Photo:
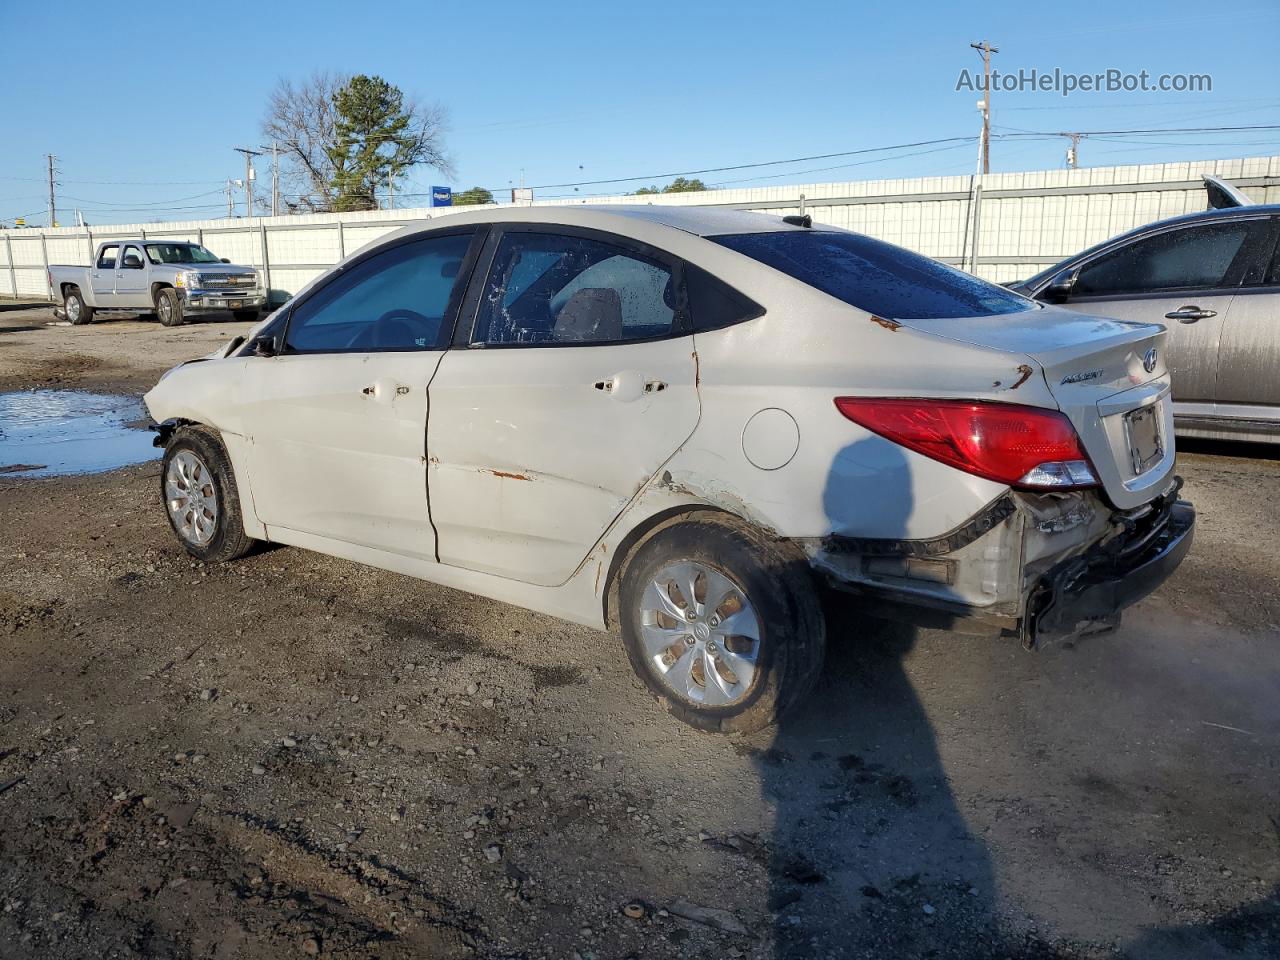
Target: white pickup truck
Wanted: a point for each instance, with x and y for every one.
(173, 279)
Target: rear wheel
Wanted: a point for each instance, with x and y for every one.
(722, 623)
(198, 486)
(169, 307)
(78, 312)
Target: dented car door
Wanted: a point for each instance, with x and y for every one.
(577, 382)
(338, 416)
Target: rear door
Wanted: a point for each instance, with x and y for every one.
(338, 418)
(102, 275)
(575, 384)
(1185, 278)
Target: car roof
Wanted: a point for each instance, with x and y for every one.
(699, 221)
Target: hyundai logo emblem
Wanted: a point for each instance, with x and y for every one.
(1149, 360)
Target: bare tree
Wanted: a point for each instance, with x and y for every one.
(301, 119)
(304, 119)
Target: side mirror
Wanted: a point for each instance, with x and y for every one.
(265, 347)
(1058, 289)
(224, 260)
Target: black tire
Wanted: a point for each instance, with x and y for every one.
(228, 540)
(779, 585)
(75, 309)
(169, 307)
(246, 316)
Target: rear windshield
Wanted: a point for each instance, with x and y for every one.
(875, 276)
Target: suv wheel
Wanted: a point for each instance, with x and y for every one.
(198, 486)
(722, 623)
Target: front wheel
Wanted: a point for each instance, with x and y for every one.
(169, 307)
(722, 623)
(198, 486)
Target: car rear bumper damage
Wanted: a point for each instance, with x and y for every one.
(1096, 586)
(1036, 567)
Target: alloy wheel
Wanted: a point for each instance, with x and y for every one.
(700, 634)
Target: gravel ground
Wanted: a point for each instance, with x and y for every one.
(296, 756)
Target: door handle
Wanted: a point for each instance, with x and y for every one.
(628, 385)
(1190, 314)
(384, 391)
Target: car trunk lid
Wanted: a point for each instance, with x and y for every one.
(1109, 377)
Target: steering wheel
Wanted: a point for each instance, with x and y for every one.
(395, 328)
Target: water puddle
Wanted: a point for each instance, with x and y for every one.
(45, 433)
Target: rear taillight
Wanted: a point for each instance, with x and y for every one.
(1022, 446)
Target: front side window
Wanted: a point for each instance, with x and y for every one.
(107, 258)
(394, 300)
(1189, 258)
(552, 289)
(875, 276)
(132, 259)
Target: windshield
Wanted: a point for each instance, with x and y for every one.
(875, 276)
(179, 253)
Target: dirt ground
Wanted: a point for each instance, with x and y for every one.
(295, 756)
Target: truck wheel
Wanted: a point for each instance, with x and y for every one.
(246, 316)
(169, 307)
(722, 623)
(198, 486)
(73, 305)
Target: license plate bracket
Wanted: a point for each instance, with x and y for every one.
(1142, 430)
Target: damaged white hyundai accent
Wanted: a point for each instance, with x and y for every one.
(680, 423)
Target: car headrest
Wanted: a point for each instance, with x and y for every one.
(591, 314)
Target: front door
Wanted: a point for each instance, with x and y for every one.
(1185, 278)
(577, 383)
(338, 419)
(131, 277)
(102, 276)
(1249, 364)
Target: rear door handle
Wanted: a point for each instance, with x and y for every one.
(628, 385)
(384, 391)
(1190, 314)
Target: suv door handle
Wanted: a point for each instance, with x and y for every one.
(1190, 314)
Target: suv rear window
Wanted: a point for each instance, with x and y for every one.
(875, 276)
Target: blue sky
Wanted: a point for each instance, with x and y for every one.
(145, 110)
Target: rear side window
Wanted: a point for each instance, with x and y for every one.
(714, 304)
(876, 276)
(1198, 257)
(107, 258)
(549, 289)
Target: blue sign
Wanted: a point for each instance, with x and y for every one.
(441, 197)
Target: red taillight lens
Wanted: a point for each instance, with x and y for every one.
(1022, 446)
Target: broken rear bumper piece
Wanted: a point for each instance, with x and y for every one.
(1032, 566)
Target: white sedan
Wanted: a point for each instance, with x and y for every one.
(680, 423)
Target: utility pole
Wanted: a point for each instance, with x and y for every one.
(986, 50)
(1073, 151)
(53, 209)
(275, 179)
(230, 210)
(248, 177)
